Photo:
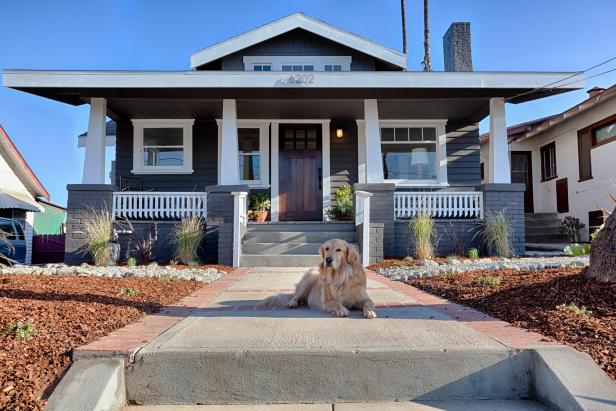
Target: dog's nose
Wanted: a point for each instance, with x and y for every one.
(329, 260)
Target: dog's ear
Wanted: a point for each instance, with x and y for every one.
(322, 264)
(352, 255)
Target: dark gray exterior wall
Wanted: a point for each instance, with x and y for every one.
(205, 159)
(449, 236)
(508, 198)
(343, 155)
(164, 250)
(463, 155)
(297, 43)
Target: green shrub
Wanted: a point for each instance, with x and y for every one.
(473, 253)
(260, 202)
(344, 203)
(489, 281)
(572, 226)
(188, 236)
(577, 249)
(22, 331)
(98, 230)
(129, 292)
(494, 234)
(422, 226)
(131, 262)
(573, 308)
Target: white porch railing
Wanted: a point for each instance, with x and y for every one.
(240, 220)
(362, 216)
(148, 205)
(449, 204)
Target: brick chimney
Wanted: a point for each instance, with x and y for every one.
(595, 91)
(457, 48)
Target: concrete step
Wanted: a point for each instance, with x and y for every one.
(303, 226)
(257, 236)
(304, 356)
(547, 230)
(461, 405)
(276, 260)
(539, 216)
(283, 248)
(547, 238)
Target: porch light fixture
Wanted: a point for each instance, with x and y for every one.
(339, 133)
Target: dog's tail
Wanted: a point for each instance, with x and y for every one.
(275, 301)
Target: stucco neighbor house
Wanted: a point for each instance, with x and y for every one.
(20, 190)
(296, 108)
(565, 160)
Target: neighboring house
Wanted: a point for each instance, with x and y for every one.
(296, 108)
(567, 160)
(20, 189)
(51, 220)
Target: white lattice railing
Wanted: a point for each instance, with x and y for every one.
(439, 204)
(148, 205)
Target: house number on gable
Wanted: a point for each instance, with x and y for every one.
(301, 79)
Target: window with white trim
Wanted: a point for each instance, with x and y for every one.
(162, 146)
(409, 153)
(297, 63)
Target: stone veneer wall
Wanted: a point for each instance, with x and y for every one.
(508, 198)
(376, 241)
(382, 211)
(81, 198)
(464, 231)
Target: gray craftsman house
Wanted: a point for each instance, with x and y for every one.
(296, 108)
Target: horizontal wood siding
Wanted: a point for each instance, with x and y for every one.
(463, 155)
(343, 154)
(297, 43)
(205, 137)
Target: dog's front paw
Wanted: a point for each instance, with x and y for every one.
(369, 314)
(293, 304)
(341, 312)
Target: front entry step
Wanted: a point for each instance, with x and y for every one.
(291, 244)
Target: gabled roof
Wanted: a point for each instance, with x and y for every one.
(110, 134)
(570, 113)
(18, 164)
(292, 22)
(518, 130)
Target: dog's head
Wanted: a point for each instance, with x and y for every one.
(336, 254)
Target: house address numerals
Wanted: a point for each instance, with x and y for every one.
(301, 79)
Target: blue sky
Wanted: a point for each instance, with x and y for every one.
(521, 35)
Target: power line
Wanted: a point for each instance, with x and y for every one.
(588, 78)
(564, 79)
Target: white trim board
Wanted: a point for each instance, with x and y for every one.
(292, 22)
(277, 62)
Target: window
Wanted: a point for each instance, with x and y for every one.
(6, 228)
(595, 220)
(297, 63)
(162, 146)
(250, 154)
(333, 67)
(584, 157)
(409, 153)
(548, 162)
(482, 171)
(262, 67)
(605, 133)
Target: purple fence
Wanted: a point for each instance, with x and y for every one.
(48, 248)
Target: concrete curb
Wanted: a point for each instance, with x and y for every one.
(91, 385)
(567, 379)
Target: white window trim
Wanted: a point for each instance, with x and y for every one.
(187, 137)
(318, 62)
(441, 150)
(264, 127)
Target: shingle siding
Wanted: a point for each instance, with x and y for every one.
(296, 43)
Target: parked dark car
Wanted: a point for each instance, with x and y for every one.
(12, 242)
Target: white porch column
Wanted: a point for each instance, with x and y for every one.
(229, 159)
(374, 159)
(275, 199)
(94, 161)
(499, 169)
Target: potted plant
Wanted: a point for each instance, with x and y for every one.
(260, 205)
(343, 210)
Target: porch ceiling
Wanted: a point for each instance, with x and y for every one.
(455, 110)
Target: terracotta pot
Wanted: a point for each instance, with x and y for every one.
(346, 218)
(262, 216)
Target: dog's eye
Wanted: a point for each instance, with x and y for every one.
(338, 249)
(326, 248)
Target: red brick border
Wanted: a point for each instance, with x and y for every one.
(128, 340)
(501, 331)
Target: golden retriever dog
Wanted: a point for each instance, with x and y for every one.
(336, 286)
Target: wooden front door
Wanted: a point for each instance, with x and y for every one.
(522, 172)
(300, 182)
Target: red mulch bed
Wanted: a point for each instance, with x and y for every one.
(67, 312)
(528, 299)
